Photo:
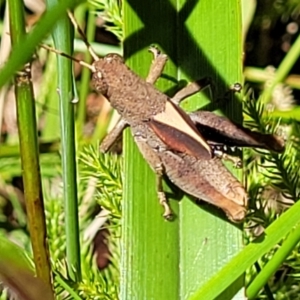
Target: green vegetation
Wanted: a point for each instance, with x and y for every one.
(106, 238)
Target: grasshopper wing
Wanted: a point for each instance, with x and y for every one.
(175, 128)
(221, 131)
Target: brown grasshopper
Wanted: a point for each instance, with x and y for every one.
(175, 144)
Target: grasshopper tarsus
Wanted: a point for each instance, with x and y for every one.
(168, 213)
(169, 217)
(154, 50)
(163, 201)
(236, 87)
(233, 89)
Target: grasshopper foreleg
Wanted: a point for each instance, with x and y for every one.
(110, 138)
(157, 65)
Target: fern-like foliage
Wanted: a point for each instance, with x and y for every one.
(273, 183)
(111, 13)
(281, 171)
(107, 172)
(103, 173)
(95, 284)
(100, 188)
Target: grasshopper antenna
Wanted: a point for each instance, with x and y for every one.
(89, 47)
(84, 64)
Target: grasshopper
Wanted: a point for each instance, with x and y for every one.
(187, 148)
(183, 147)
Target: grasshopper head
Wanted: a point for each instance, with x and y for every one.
(104, 69)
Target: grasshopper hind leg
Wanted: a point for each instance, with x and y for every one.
(191, 89)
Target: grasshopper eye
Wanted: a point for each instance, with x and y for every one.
(99, 75)
(99, 83)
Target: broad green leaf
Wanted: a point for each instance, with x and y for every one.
(171, 260)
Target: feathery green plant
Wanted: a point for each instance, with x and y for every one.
(106, 169)
(273, 182)
(111, 13)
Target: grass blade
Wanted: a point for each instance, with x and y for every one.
(150, 255)
(23, 50)
(27, 127)
(248, 256)
(200, 240)
(63, 38)
(210, 44)
(273, 264)
(286, 65)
